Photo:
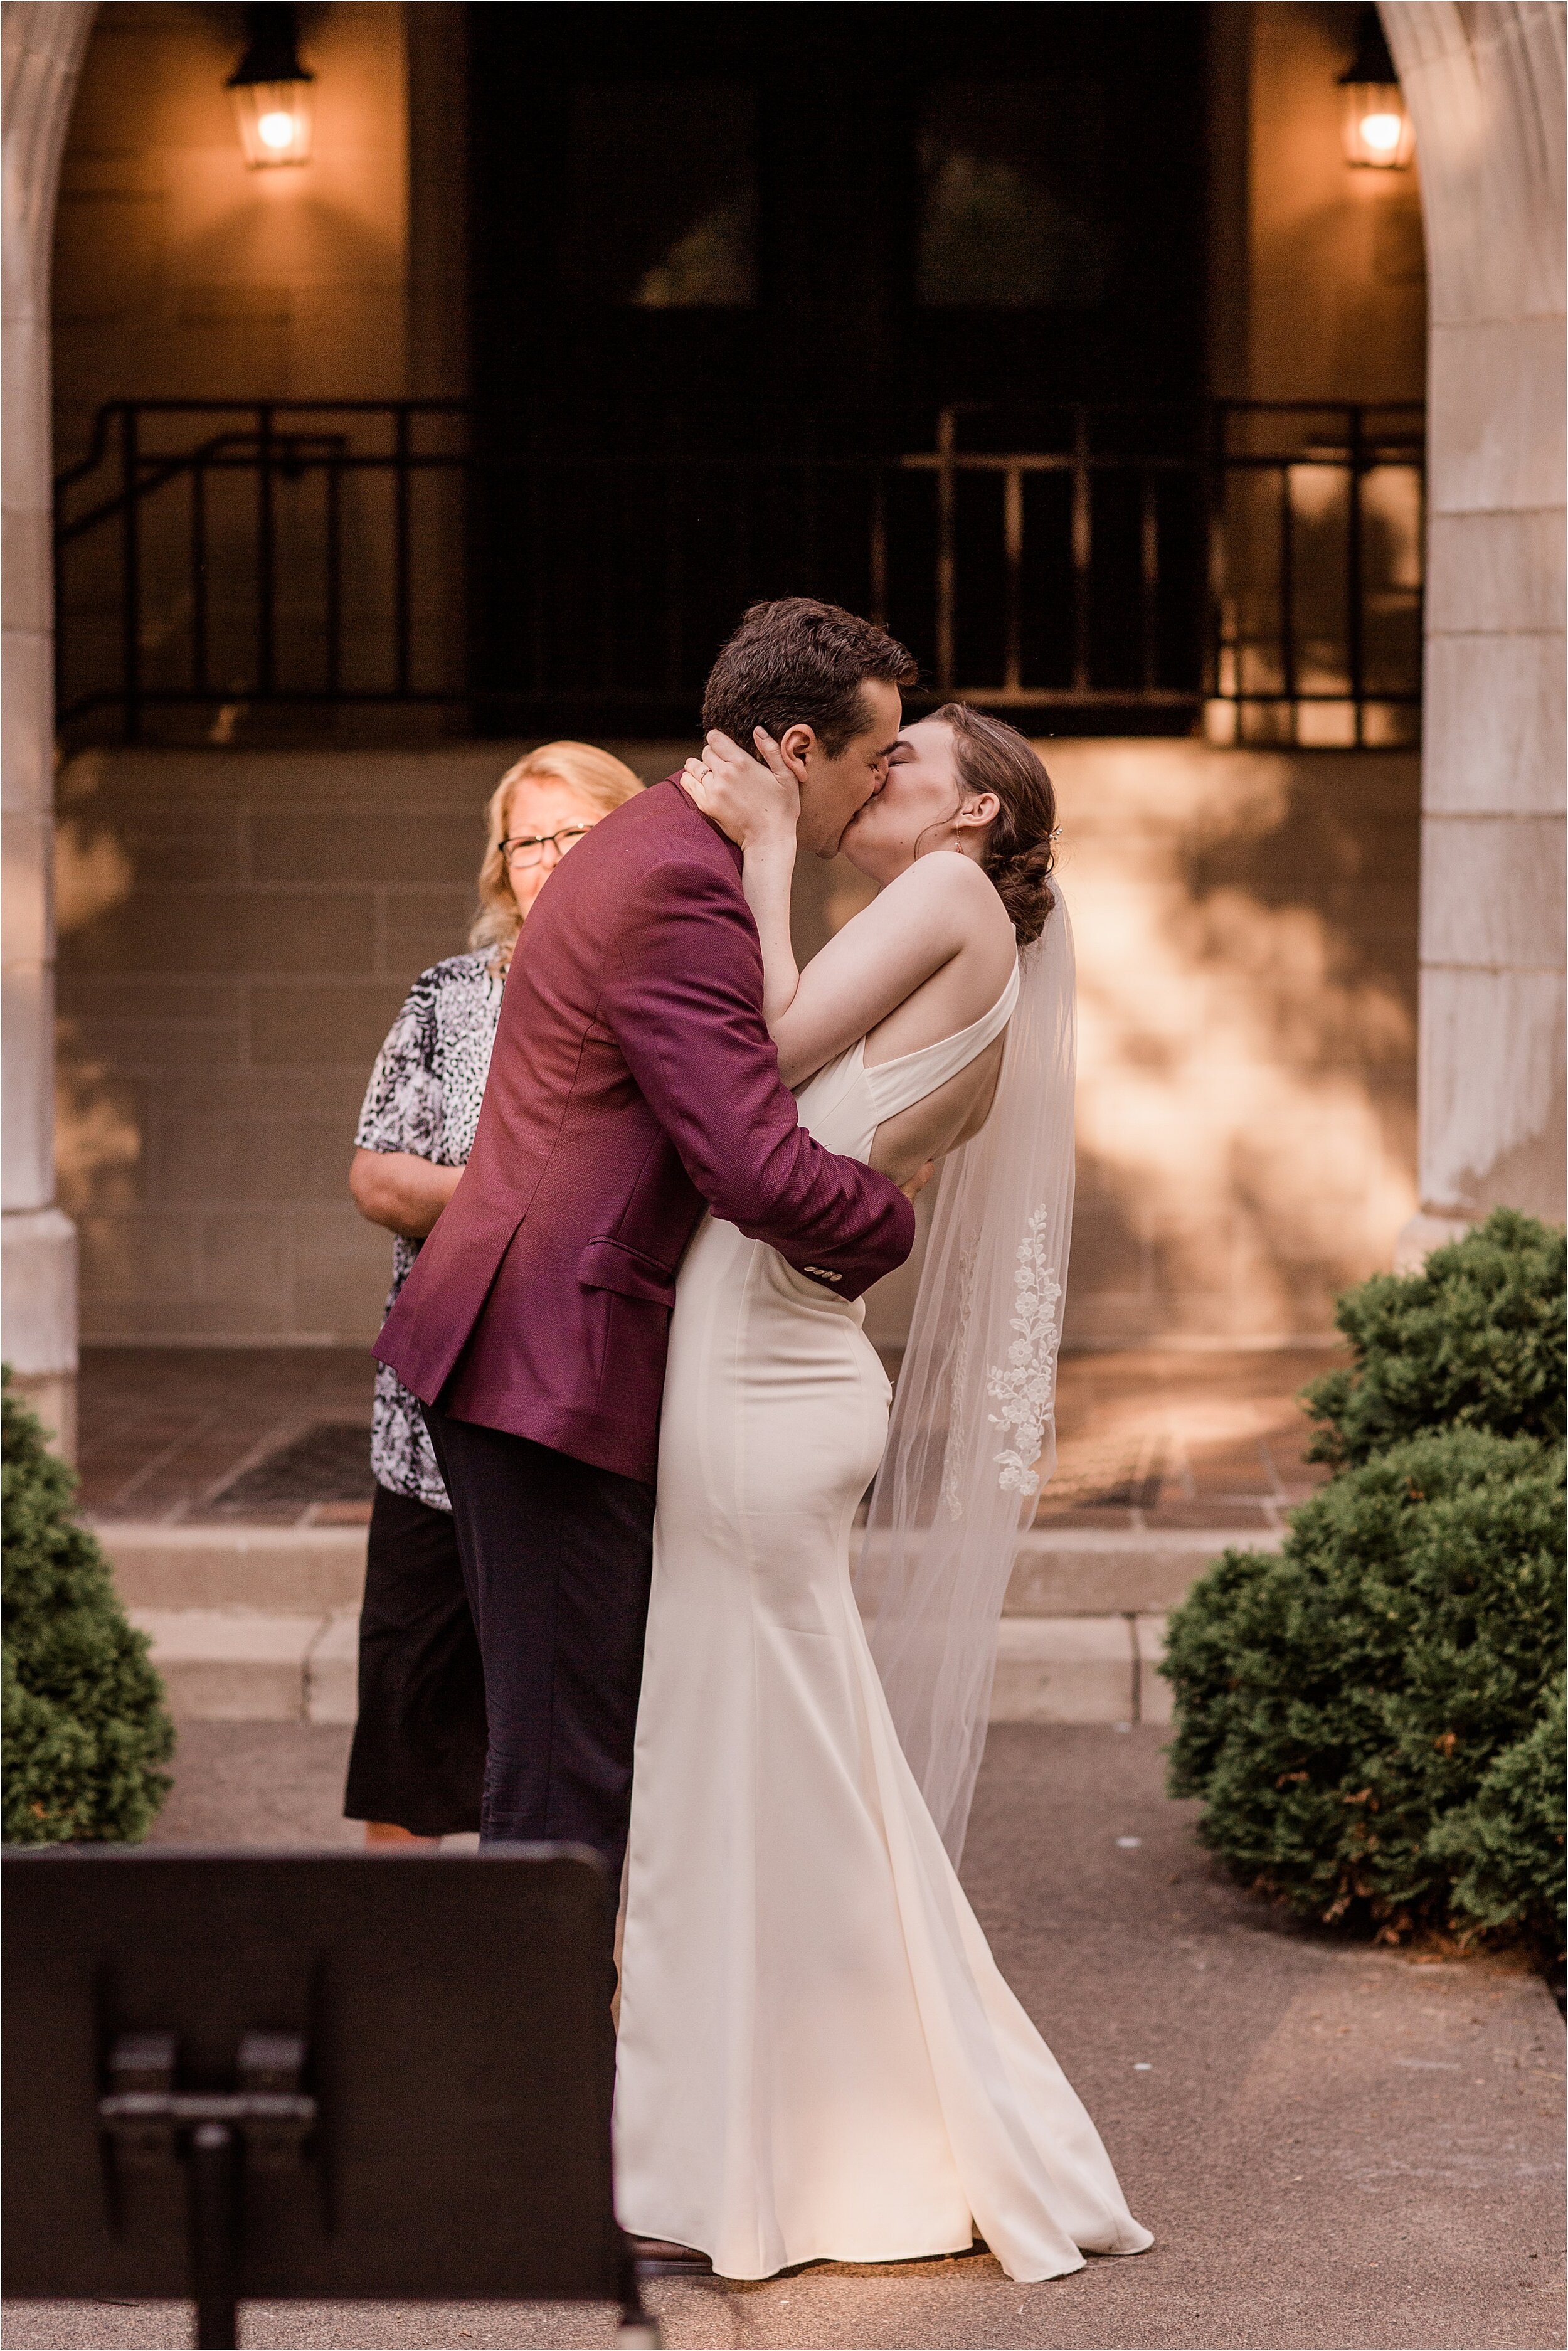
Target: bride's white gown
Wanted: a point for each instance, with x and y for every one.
(818, 2057)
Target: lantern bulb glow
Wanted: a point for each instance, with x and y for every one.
(277, 130)
(1381, 132)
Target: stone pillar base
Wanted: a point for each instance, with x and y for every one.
(53, 1397)
(39, 1340)
(1423, 1234)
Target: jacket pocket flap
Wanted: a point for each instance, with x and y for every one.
(611, 1265)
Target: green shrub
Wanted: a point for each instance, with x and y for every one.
(85, 1730)
(1475, 1340)
(1506, 1847)
(1339, 1701)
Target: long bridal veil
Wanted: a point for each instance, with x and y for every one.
(973, 1436)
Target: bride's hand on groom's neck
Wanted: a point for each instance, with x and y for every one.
(756, 801)
(918, 1181)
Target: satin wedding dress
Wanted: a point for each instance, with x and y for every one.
(818, 2057)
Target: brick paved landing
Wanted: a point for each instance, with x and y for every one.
(1148, 1438)
(1154, 1437)
(163, 1433)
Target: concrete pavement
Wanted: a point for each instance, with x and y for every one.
(1336, 2147)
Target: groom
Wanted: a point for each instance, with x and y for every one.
(633, 1085)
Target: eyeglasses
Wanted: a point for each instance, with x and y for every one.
(528, 849)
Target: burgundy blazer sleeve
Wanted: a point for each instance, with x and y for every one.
(684, 997)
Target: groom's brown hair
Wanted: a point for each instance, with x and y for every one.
(797, 662)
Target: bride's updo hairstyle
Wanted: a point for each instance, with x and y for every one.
(1019, 854)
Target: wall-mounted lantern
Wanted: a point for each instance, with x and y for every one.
(271, 91)
(1379, 135)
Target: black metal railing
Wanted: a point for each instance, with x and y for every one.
(1258, 562)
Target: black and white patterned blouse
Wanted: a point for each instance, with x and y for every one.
(424, 1096)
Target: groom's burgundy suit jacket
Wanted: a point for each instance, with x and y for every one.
(634, 1083)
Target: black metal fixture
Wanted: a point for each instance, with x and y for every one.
(1378, 133)
(271, 91)
(174, 498)
(264, 2124)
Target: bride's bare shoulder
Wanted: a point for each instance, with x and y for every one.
(951, 884)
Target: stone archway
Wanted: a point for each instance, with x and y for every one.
(1485, 87)
(43, 41)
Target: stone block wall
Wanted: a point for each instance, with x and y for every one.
(1246, 924)
(178, 270)
(238, 928)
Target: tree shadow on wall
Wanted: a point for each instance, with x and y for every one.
(1247, 946)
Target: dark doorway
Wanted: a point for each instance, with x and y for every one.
(732, 265)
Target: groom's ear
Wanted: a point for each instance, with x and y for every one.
(796, 743)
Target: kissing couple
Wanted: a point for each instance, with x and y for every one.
(636, 1333)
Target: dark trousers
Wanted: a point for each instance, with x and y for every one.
(418, 1756)
(557, 1556)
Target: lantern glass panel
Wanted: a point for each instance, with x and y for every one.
(1379, 135)
(274, 119)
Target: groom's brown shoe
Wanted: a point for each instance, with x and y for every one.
(663, 2255)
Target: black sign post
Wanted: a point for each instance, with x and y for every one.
(243, 2075)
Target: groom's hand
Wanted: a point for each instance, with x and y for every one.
(918, 1181)
(755, 801)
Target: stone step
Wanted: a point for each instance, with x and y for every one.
(257, 1665)
(310, 1571)
(1092, 1571)
(307, 1571)
(1080, 1669)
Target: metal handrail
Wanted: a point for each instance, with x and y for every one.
(1180, 488)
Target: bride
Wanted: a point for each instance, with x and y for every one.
(818, 2058)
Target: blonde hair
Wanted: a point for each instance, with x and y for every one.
(603, 780)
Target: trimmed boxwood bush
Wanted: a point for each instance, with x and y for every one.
(1506, 1848)
(85, 1729)
(1374, 1718)
(1339, 1702)
(1475, 1340)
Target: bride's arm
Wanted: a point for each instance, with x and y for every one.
(767, 871)
(758, 803)
(911, 930)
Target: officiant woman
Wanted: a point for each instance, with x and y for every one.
(418, 1758)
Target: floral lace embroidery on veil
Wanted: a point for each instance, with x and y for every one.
(1025, 1385)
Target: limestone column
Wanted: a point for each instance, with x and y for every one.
(43, 46)
(1485, 87)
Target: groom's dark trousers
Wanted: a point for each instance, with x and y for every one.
(632, 1084)
(557, 1556)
